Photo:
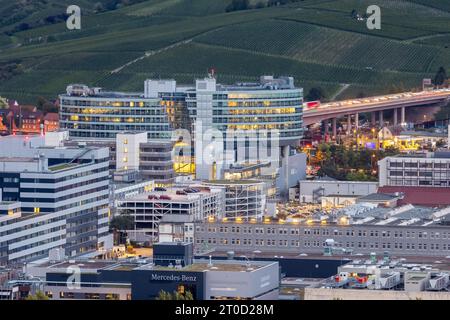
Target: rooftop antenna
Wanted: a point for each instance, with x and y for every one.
(212, 72)
(210, 264)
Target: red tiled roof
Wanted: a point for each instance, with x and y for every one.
(51, 116)
(22, 108)
(422, 196)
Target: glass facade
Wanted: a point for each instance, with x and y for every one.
(256, 110)
(99, 117)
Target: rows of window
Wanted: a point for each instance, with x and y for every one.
(412, 234)
(321, 244)
(419, 165)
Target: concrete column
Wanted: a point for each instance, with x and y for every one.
(325, 123)
(381, 118)
(349, 124)
(395, 117)
(403, 115)
(374, 119)
(334, 126)
(285, 167)
(356, 121)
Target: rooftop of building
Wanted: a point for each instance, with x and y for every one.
(420, 196)
(406, 215)
(17, 159)
(379, 197)
(242, 167)
(82, 264)
(172, 194)
(265, 83)
(350, 196)
(233, 182)
(198, 265)
(203, 265)
(62, 166)
(409, 261)
(424, 155)
(110, 94)
(359, 214)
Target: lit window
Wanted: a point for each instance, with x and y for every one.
(37, 210)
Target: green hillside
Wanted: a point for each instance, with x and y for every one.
(124, 42)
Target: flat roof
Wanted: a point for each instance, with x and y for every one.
(62, 166)
(17, 159)
(379, 197)
(217, 266)
(435, 262)
(172, 193)
(83, 264)
(232, 182)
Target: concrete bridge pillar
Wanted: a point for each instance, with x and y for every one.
(356, 121)
(403, 115)
(395, 117)
(381, 120)
(349, 124)
(374, 119)
(334, 126)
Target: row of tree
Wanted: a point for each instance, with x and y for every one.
(343, 163)
(164, 295)
(237, 5)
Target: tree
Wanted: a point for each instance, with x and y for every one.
(314, 94)
(122, 222)
(38, 296)
(164, 295)
(440, 77)
(260, 5)
(98, 7)
(46, 106)
(237, 5)
(188, 296)
(3, 103)
(443, 113)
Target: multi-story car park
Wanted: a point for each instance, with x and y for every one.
(93, 114)
(63, 195)
(172, 212)
(244, 198)
(422, 170)
(362, 229)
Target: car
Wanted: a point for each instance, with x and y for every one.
(181, 193)
(152, 197)
(160, 189)
(164, 197)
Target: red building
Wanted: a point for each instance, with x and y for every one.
(31, 122)
(51, 122)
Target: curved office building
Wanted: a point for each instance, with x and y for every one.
(271, 104)
(93, 114)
